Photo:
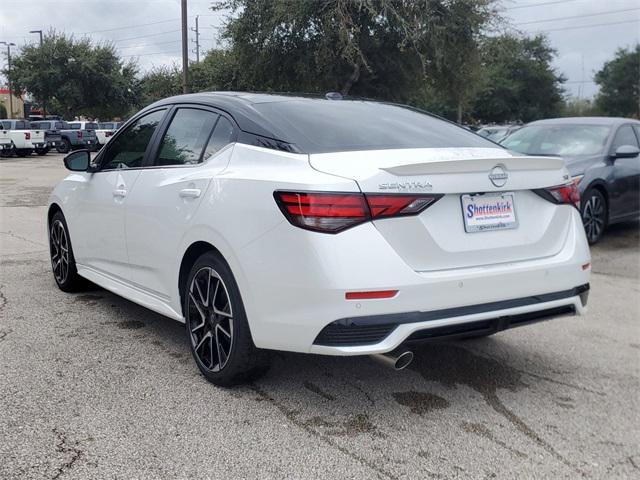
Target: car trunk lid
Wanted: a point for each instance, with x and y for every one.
(439, 238)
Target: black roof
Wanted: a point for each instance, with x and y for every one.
(240, 106)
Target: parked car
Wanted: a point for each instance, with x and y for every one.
(25, 140)
(602, 155)
(52, 134)
(104, 132)
(86, 131)
(496, 133)
(71, 138)
(6, 145)
(288, 223)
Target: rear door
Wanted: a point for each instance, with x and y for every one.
(444, 235)
(96, 216)
(169, 191)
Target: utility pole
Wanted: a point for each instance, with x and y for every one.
(9, 45)
(44, 107)
(185, 49)
(197, 40)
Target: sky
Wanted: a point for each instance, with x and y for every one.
(585, 33)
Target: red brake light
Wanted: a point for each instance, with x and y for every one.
(27, 135)
(108, 134)
(566, 194)
(79, 134)
(335, 212)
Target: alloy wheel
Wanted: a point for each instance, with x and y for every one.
(593, 217)
(59, 251)
(210, 319)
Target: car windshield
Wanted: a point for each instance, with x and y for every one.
(563, 140)
(317, 126)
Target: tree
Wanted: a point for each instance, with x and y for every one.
(619, 82)
(75, 77)
(390, 49)
(3, 111)
(518, 82)
(160, 83)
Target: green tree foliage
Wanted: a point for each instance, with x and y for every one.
(390, 49)
(517, 81)
(75, 77)
(159, 83)
(619, 82)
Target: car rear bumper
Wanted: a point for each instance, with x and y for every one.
(294, 283)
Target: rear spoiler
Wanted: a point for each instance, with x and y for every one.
(471, 165)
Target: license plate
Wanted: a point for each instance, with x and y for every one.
(488, 211)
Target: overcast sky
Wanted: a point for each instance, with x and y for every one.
(586, 33)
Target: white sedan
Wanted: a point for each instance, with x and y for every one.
(316, 225)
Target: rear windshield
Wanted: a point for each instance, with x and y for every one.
(90, 126)
(74, 126)
(20, 125)
(62, 126)
(317, 126)
(107, 126)
(559, 139)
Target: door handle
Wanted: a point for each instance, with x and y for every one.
(190, 193)
(120, 192)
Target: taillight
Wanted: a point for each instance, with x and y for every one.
(108, 134)
(27, 135)
(79, 134)
(335, 212)
(562, 194)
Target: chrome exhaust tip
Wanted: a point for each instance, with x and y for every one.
(398, 359)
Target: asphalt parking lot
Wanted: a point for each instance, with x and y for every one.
(94, 386)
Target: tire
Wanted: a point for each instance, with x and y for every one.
(64, 146)
(42, 151)
(595, 214)
(23, 152)
(217, 329)
(67, 280)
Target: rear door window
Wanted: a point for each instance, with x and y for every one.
(186, 137)
(22, 125)
(222, 136)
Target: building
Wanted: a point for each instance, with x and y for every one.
(18, 104)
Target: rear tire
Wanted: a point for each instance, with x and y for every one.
(63, 263)
(64, 146)
(216, 325)
(42, 151)
(595, 214)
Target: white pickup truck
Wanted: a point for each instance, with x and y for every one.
(105, 131)
(25, 140)
(6, 145)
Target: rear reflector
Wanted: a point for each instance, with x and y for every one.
(335, 212)
(370, 295)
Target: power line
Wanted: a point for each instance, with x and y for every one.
(129, 26)
(588, 26)
(145, 36)
(149, 44)
(154, 53)
(579, 16)
(538, 4)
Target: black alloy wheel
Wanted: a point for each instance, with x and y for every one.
(594, 215)
(216, 324)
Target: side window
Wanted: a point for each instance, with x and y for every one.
(22, 126)
(127, 151)
(637, 129)
(624, 136)
(222, 135)
(186, 137)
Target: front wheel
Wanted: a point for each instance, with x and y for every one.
(594, 214)
(63, 262)
(42, 151)
(216, 325)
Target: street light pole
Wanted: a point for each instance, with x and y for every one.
(9, 45)
(39, 32)
(185, 49)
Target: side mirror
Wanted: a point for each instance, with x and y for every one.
(78, 161)
(626, 151)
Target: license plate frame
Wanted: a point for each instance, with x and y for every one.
(495, 219)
